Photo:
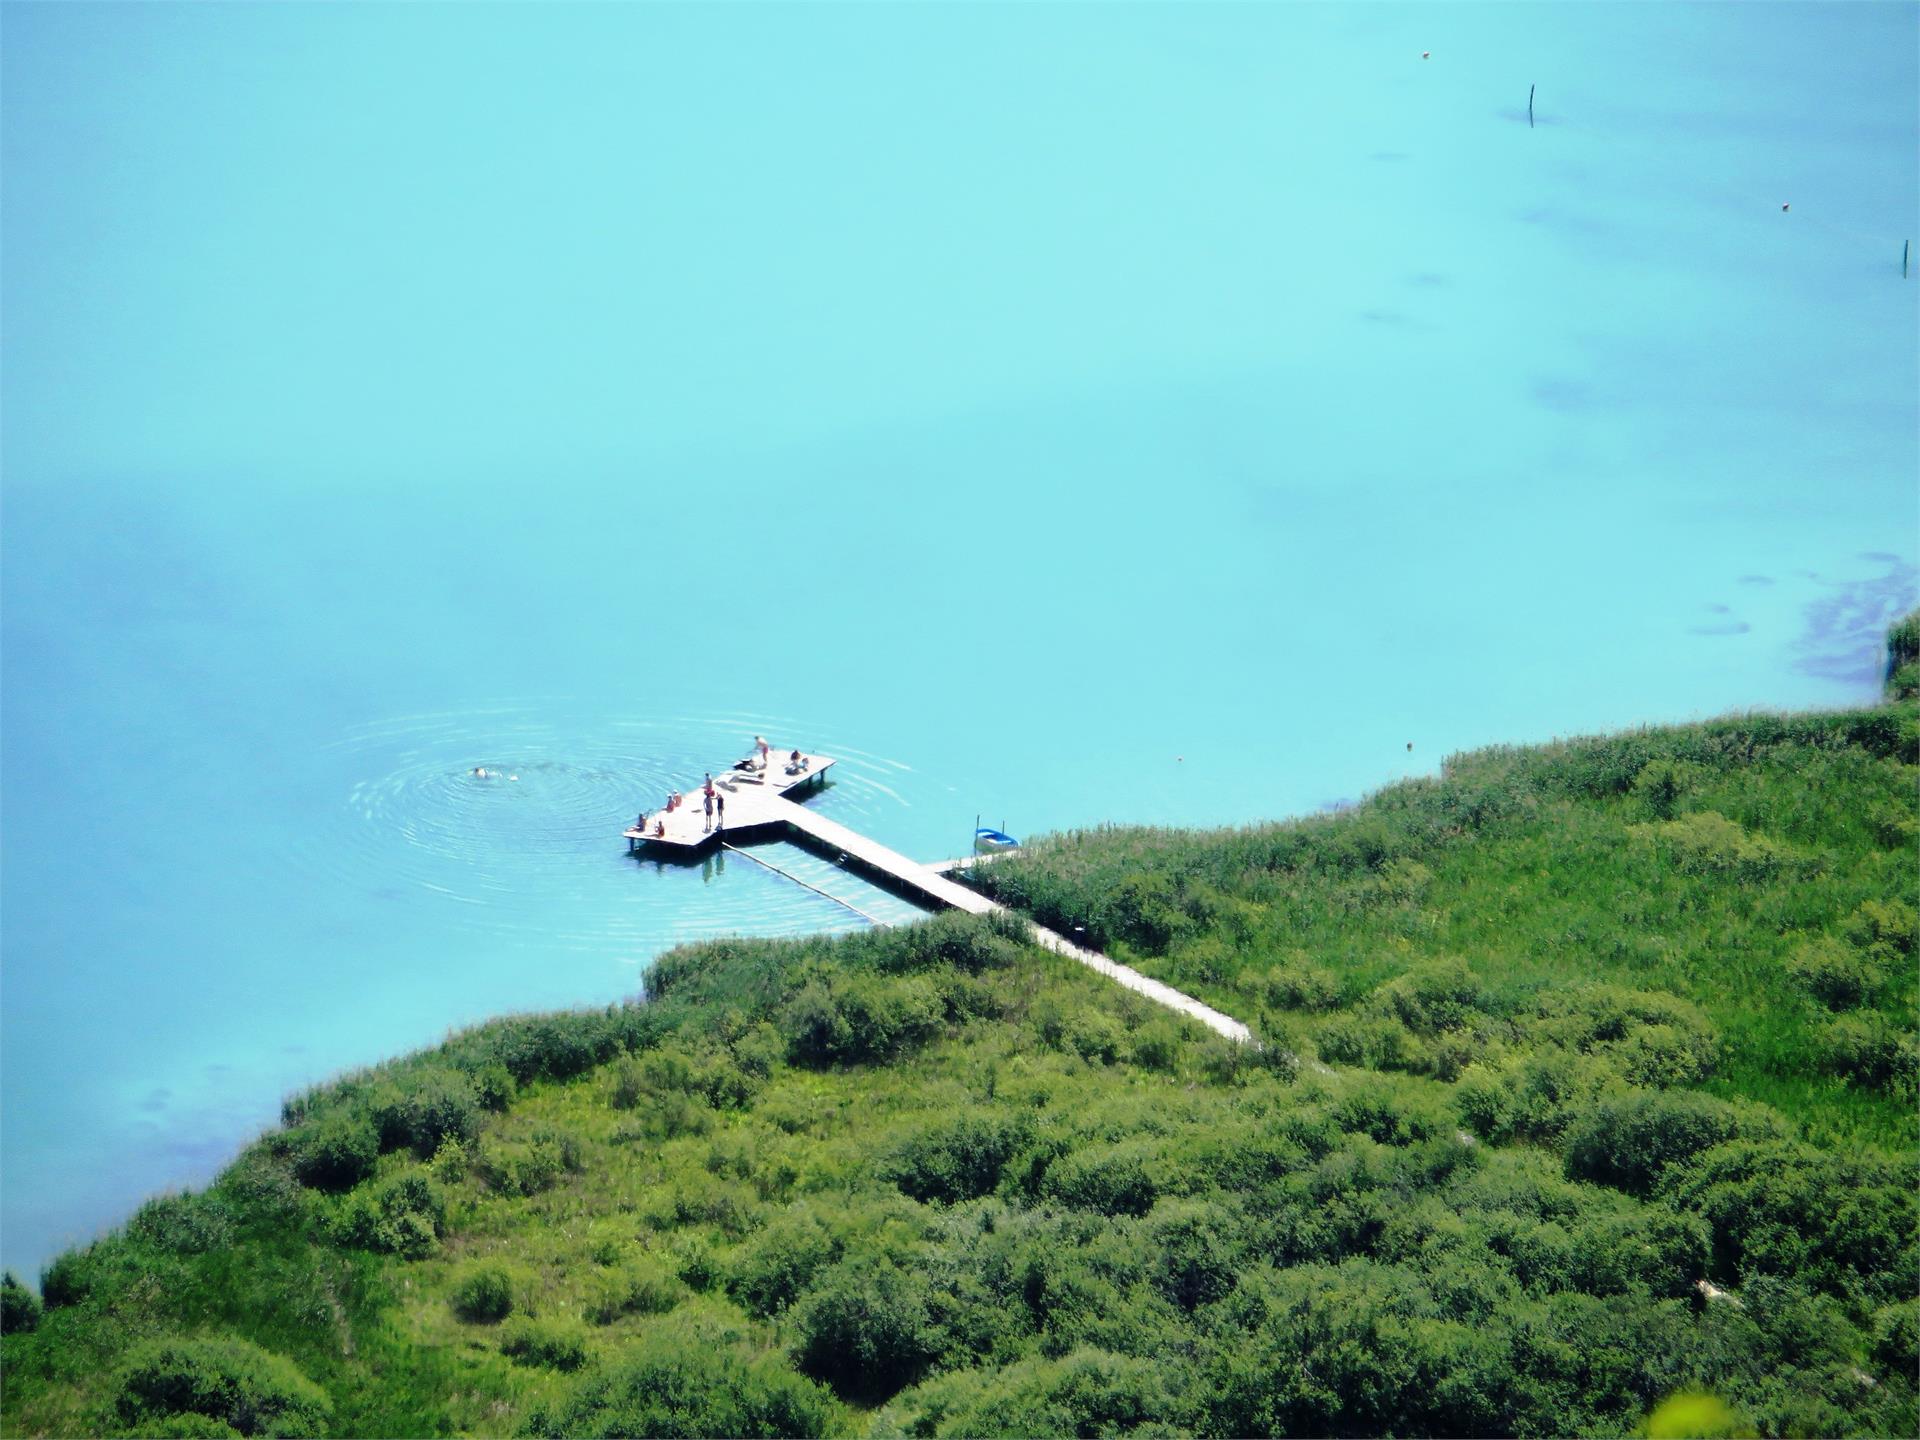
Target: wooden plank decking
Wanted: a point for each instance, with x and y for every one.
(758, 803)
(748, 795)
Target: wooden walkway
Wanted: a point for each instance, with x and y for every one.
(759, 804)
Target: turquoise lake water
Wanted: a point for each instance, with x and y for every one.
(1062, 413)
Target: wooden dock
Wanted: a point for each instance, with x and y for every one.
(762, 804)
(747, 796)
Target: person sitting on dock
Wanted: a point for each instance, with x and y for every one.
(659, 828)
(795, 763)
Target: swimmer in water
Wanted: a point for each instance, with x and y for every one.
(480, 773)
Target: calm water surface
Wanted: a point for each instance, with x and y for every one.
(1063, 413)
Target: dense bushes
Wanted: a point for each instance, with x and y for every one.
(678, 1387)
(551, 1344)
(861, 1019)
(866, 1329)
(1628, 1141)
(960, 1159)
(403, 1215)
(424, 1109)
(483, 1295)
(336, 1151)
(227, 1381)
(19, 1307)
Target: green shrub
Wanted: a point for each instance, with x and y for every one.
(1659, 786)
(1896, 1338)
(638, 1287)
(1144, 910)
(483, 1295)
(189, 1425)
(183, 1224)
(1298, 985)
(861, 1019)
(1886, 929)
(532, 1166)
(422, 1107)
(404, 1215)
(1158, 1044)
(1627, 1140)
(1534, 1098)
(335, 1151)
(1374, 1042)
(551, 1344)
(865, 1329)
(959, 1159)
(1708, 843)
(1874, 1051)
(1837, 975)
(1432, 998)
(1197, 1252)
(772, 1269)
(493, 1086)
(1095, 1036)
(68, 1279)
(1086, 1392)
(677, 1388)
(1109, 1179)
(20, 1308)
(230, 1381)
(1386, 1111)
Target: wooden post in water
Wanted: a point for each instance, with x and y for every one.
(1905, 245)
(1530, 90)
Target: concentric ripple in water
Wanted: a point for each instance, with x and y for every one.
(510, 820)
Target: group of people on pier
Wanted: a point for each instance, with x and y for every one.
(713, 800)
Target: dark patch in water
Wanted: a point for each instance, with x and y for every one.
(1566, 396)
(1725, 627)
(1429, 280)
(1843, 634)
(1396, 319)
(1720, 609)
(1756, 580)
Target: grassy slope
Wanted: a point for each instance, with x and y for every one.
(1575, 1069)
(1540, 869)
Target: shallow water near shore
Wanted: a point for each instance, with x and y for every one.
(1060, 414)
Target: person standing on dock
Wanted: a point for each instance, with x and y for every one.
(760, 744)
(720, 802)
(709, 809)
(709, 786)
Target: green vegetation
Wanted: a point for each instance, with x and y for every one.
(1586, 1104)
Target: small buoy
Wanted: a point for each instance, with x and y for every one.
(1426, 54)
(1409, 746)
(1179, 759)
(1786, 207)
